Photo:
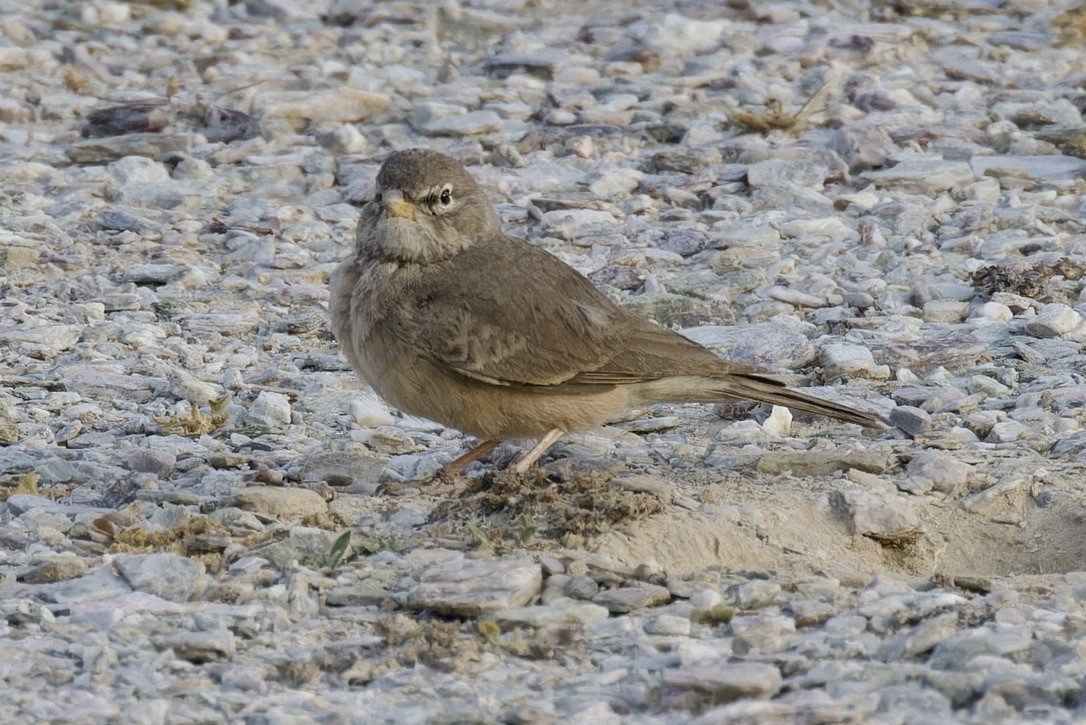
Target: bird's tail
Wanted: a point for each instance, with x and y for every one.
(763, 389)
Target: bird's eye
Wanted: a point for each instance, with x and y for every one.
(376, 197)
(446, 197)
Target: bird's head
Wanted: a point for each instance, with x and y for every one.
(426, 208)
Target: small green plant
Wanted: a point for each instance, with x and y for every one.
(490, 542)
(339, 548)
(525, 528)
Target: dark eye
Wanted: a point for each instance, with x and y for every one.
(446, 197)
(377, 197)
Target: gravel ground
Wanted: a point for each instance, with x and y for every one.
(205, 517)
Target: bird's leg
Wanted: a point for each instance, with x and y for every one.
(525, 462)
(453, 468)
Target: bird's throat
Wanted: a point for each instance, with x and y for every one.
(411, 242)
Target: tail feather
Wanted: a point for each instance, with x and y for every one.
(767, 390)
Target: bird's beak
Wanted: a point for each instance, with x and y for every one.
(396, 206)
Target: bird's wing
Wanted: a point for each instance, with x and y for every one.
(651, 352)
(530, 321)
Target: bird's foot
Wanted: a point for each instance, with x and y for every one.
(447, 481)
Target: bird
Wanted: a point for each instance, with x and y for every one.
(449, 318)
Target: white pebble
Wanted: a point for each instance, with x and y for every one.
(369, 413)
(1006, 432)
(992, 312)
(1056, 320)
(668, 625)
(779, 422)
(137, 170)
(270, 410)
(846, 359)
(618, 182)
(706, 599)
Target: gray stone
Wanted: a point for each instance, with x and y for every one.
(851, 361)
(912, 420)
(923, 175)
(756, 594)
(44, 569)
(545, 617)
(201, 647)
(865, 146)
(152, 460)
(765, 344)
(364, 594)
(581, 586)
(281, 501)
(821, 463)
(668, 625)
(958, 650)
(172, 577)
(472, 123)
(99, 585)
(1047, 166)
(762, 633)
(466, 588)
(1057, 320)
(878, 516)
(919, 640)
(627, 599)
(269, 410)
(573, 223)
(726, 681)
(45, 341)
(338, 105)
(113, 148)
(1007, 497)
(945, 472)
(1007, 431)
(303, 545)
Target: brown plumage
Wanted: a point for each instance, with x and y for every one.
(450, 319)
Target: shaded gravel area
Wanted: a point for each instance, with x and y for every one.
(204, 516)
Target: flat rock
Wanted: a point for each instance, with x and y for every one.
(573, 223)
(914, 421)
(1057, 320)
(627, 599)
(172, 577)
(281, 501)
(762, 632)
(726, 681)
(549, 616)
(45, 341)
(341, 105)
(851, 361)
(881, 517)
(765, 344)
(468, 587)
(44, 569)
(472, 123)
(923, 175)
(668, 625)
(303, 544)
(269, 410)
(1047, 166)
(201, 647)
(945, 472)
(820, 463)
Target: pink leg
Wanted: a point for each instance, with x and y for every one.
(454, 467)
(528, 459)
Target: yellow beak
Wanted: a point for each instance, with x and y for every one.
(396, 206)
